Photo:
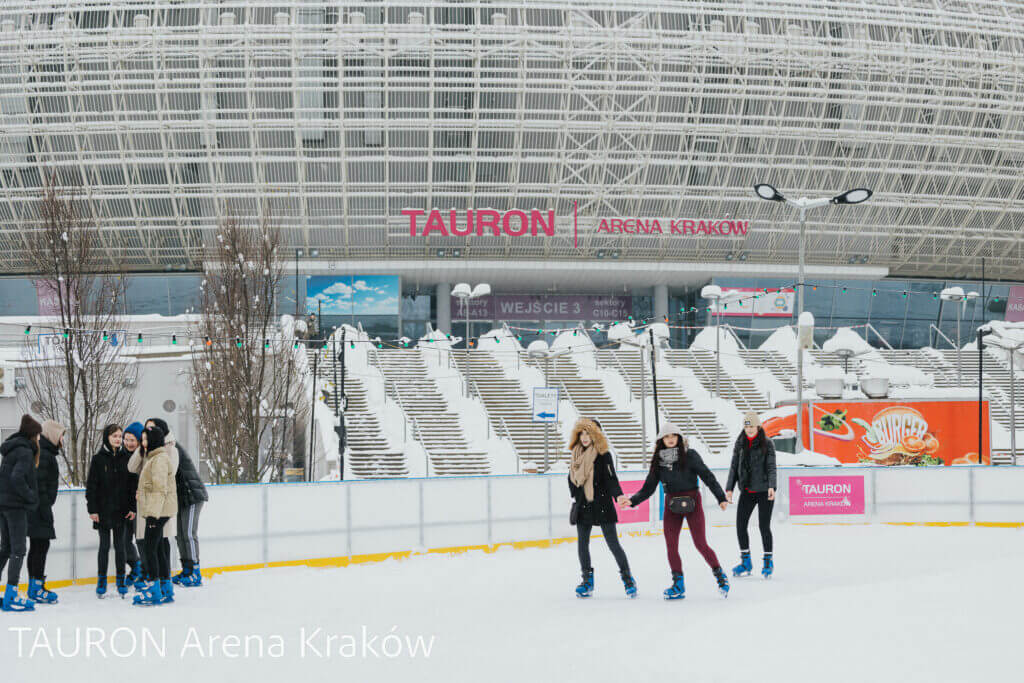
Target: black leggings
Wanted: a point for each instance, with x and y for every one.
(764, 518)
(612, 538)
(37, 551)
(157, 561)
(13, 527)
(118, 532)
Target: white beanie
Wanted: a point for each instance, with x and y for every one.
(669, 428)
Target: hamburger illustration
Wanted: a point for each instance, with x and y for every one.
(899, 435)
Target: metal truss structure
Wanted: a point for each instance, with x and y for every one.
(332, 117)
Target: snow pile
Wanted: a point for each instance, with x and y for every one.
(783, 341)
(845, 339)
(705, 339)
(499, 340)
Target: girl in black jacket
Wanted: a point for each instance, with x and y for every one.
(677, 467)
(753, 468)
(110, 501)
(18, 495)
(595, 490)
(41, 529)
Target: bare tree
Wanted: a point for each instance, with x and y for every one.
(244, 374)
(76, 370)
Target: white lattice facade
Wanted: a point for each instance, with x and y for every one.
(335, 116)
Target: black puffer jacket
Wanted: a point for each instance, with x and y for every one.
(40, 520)
(18, 474)
(190, 486)
(753, 464)
(677, 474)
(110, 487)
(601, 510)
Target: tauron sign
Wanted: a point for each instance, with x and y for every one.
(534, 223)
(481, 222)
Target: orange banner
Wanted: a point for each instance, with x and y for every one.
(909, 432)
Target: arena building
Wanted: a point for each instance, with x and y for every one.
(591, 161)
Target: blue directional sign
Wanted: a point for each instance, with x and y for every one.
(545, 404)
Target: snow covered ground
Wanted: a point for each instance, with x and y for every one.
(848, 603)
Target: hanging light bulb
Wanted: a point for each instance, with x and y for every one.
(28, 328)
(106, 337)
(174, 339)
(140, 338)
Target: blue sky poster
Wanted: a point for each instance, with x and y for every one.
(354, 294)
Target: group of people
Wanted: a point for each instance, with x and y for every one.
(597, 494)
(138, 483)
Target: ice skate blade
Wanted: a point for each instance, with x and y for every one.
(674, 597)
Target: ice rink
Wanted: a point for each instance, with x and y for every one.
(848, 603)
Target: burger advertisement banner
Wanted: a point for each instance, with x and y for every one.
(898, 432)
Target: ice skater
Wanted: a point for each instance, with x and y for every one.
(595, 490)
(18, 495)
(677, 466)
(41, 529)
(753, 468)
(191, 497)
(110, 503)
(157, 503)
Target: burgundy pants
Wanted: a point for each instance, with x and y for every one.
(694, 520)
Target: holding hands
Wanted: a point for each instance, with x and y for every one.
(724, 505)
(728, 496)
(624, 502)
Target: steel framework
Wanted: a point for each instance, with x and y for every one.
(334, 116)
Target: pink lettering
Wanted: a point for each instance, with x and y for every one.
(603, 226)
(487, 218)
(436, 223)
(413, 214)
(524, 225)
(537, 220)
(462, 232)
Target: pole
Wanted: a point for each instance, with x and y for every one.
(643, 403)
(296, 284)
(1013, 413)
(319, 320)
(547, 370)
(654, 383)
(312, 417)
(334, 368)
(718, 347)
(469, 372)
(343, 396)
(981, 379)
(959, 365)
(799, 347)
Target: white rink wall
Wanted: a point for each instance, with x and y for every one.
(251, 525)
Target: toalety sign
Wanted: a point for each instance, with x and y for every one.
(538, 223)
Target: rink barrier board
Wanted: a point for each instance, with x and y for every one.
(254, 526)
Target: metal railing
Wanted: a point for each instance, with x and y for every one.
(868, 327)
(932, 327)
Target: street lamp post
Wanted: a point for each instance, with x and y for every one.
(463, 292)
(957, 296)
(714, 293)
(803, 205)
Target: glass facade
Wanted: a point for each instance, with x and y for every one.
(902, 311)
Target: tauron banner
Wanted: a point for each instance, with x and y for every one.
(826, 495)
(910, 432)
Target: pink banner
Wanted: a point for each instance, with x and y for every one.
(826, 495)
(1015, 305)
(642, 512)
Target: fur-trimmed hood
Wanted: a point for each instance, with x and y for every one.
(598, 438)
